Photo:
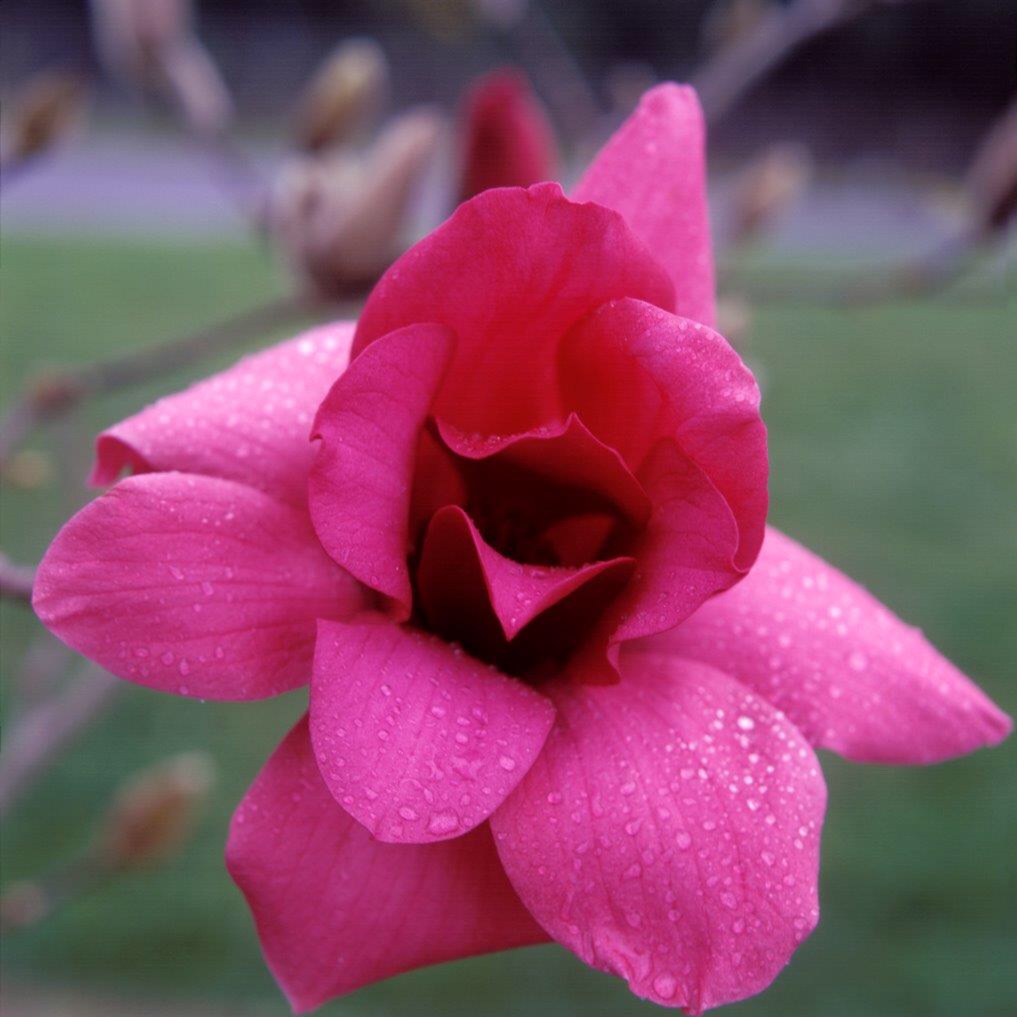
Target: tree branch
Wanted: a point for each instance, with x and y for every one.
(53, 395)
(38, 737)
(15, 580)
(737, 67)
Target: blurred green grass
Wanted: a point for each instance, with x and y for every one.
(893, 454)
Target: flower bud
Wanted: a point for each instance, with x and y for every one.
(506, 137)
(151, 44)
(43, 113)
(343, 97)
(342, 218)
(154, 812)
(729, 21)
(767, 188)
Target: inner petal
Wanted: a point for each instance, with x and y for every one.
(513, 614)
(549, 496)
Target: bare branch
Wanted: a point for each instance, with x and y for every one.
(53, 395)
(776, 35)
(38, 737)
(15, 580)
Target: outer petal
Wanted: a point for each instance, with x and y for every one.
(336, 909)
(367, 429)
(249, 423)
(635, 373)
(852, 676)
(653, 171)
(509, 273)
(508, 141)
(193, 585)
(669, 833)
(418, 741)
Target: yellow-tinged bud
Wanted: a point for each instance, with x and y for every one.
(768, 187)
(154, 812)
(42, 114)
(343, 97)
(342, 218)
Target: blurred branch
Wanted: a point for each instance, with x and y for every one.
(52, 395)
(774, 36)
(15, 580)
(38, 737)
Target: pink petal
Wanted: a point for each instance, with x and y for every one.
(508, 141)
(509, 273)
(249, 423)
(684, 554)
(852, 676)
(567, 454)
(336, 909)
(653, 171)
(367, 431)
(418, 741)
(634, 373)
(457, 564)
(669, 832)
(193, 585)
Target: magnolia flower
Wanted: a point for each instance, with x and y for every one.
(507, 140)
(564, 683)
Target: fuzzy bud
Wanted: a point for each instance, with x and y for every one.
(42, 114)
(343, 97)
(154, 813)
(768, 188)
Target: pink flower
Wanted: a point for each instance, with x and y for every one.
(534, 710)
(507, 140)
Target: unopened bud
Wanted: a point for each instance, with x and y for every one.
(42, 114)
(152, 44)
(507, 139)
(343, 97)
(342, 218)
(767, 188)
(154, 813)
(131, 35)
(28, 469)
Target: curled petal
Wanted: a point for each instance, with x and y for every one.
(635, 374)
(653, 171)
(336, 909)
(509, 273)
(669, 832)
(418, 741)
(193, 585)
(567, 455)
(367, 431)
(852, 676)
(249, 423)
(458, 567)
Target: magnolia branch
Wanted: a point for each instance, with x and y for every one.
(54, 394)
(739, 66)
(15, 580)
(38, 737)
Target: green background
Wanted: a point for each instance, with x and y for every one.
(893, 454)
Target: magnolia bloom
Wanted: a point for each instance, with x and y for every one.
(564, 683)
(507, 140)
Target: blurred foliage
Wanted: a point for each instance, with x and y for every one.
(892, 454)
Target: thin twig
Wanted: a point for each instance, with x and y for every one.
(38, 737)
(55, 394)
(15, 580)
(737, 67)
